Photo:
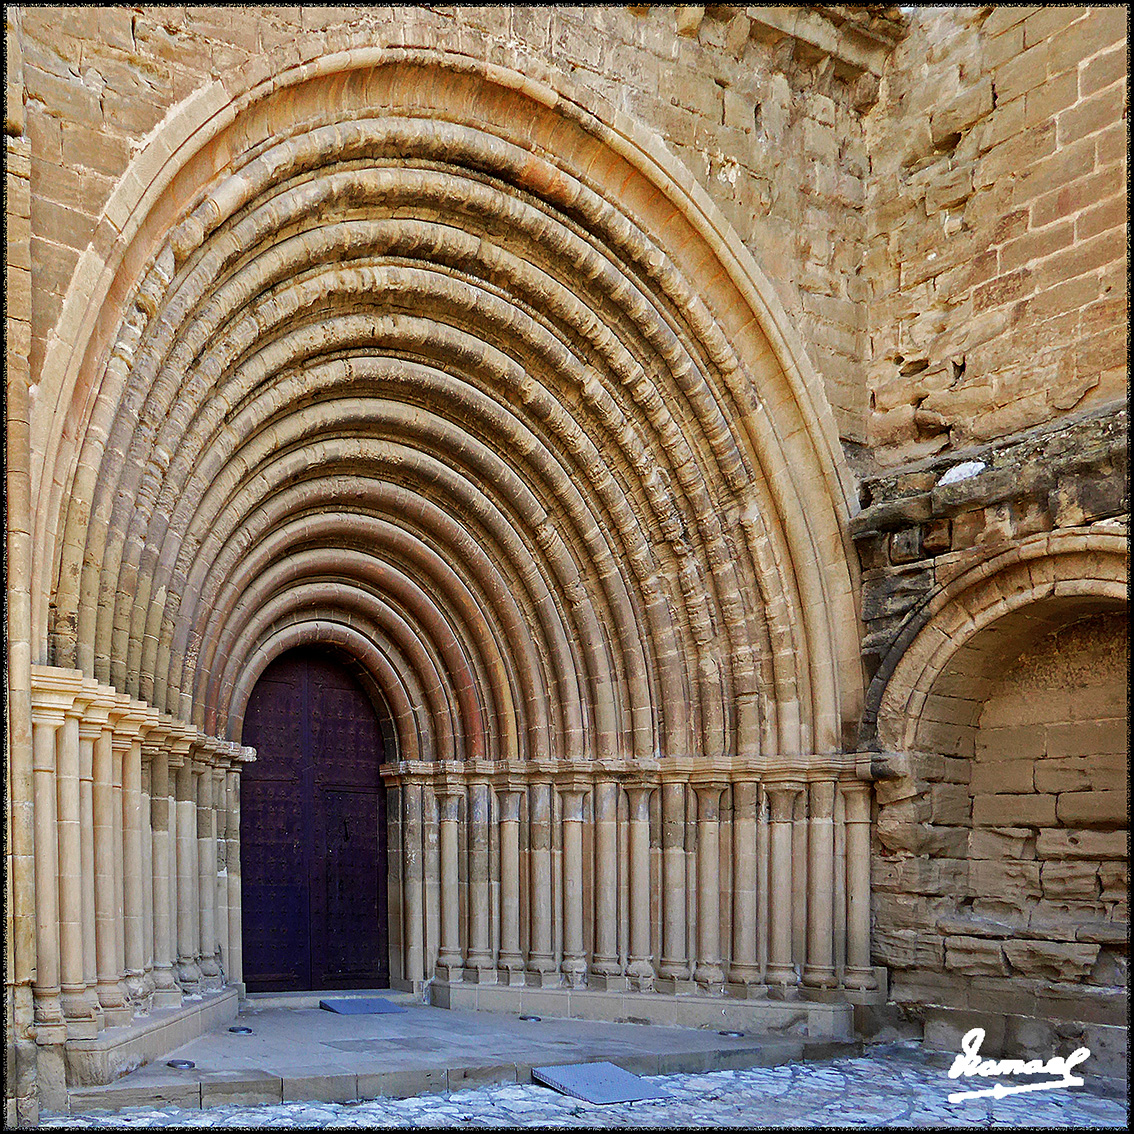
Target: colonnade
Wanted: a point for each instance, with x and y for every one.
(137, 858)
(676, 876)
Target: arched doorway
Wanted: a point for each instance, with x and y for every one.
(313, 809)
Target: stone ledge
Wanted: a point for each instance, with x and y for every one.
(116, 1051)
(799, 1019)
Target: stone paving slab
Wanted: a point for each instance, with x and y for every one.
(297, 1054)
(893, 1085)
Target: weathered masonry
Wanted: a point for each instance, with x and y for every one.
(607, 512)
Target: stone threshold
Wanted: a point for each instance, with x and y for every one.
(258, 1000)
(158, 1087)
(806, 1019)
(117, 1051)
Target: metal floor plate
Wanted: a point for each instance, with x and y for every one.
(597, 1083)
(360, 1005)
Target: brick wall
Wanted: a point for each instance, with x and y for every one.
(997, 244)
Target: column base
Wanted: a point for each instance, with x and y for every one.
(608, 982)
(674, 986)
(482, 974)
(166, 998)
(747, 990)
(544, 978)
(575, 972)
(453, 973)
(512, 976)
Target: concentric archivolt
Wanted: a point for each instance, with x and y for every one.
(432, 374)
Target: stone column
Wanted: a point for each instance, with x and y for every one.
(412, 879)
(449, 957)
(82, 1022)
(640, 966)
(709, 972)
(235, 919)
(479, 965)
(745, 968)
(220, 855)
(120, 747)
(574, 965)
(133, 901)
(541, 957)
(511, 960)
(606, 969)
(147, 884)
(859, 972)
(166, 992)
(207, 872)
(111, 989)
(50, 1028)
(819, 972)
(90, 729)
(188, 881)
(674, 967)
(781, 972)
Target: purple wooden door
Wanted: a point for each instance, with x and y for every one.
(313, 831)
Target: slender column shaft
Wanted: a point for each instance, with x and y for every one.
(605, 962)
(541, 958)
(781, 971)
(134, 951)
(147, 884)
(641, 967)
(220, 871)
(188, 881)
(166, 991)
(574, 958)
(480, 909)
(48, 1007)
(745, 968)
(449, 954)
(88, 733)
(111, 992)
(859, 973)
(232, 854)
(175, 762)
(674, 961)
(511, 959)
(820, 969)
(120, 747)
(207, 873)
(81, 1022)
(412, 878)
(709, 971)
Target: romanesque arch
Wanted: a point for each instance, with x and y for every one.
(463, 375)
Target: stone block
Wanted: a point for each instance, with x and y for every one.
(240, 1088)
(1092, 808)
(1008, 881)
(320, 1088)
(1014, 810)
(480, 1075)
(995, 773)
(1051, 960)
(1077, 880)
(402, 1084)
(974, 956)
(1114, 880)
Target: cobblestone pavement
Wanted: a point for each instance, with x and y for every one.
(892, 1086)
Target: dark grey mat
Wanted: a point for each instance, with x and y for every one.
(597, 1083)
(360, 1005)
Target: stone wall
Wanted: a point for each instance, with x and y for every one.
(996, 254)
(1001, 881)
